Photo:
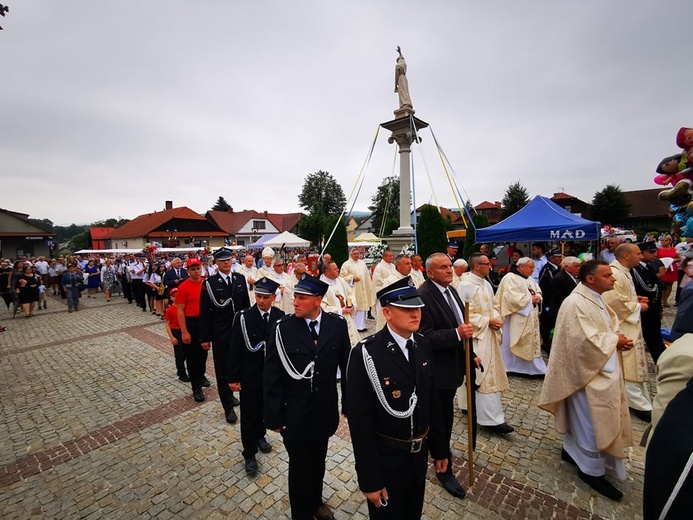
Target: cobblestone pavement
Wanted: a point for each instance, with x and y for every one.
(96, 425)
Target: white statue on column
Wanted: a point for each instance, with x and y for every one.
(401, 82)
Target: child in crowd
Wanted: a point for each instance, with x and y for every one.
(42, 297)
(175, 337)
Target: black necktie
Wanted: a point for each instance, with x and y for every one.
(313, 331)
(453, 306)
(177, 273)
(410, 350)
(265, 318)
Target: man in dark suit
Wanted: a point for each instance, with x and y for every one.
(546, 275)
(222, 296)
(563, 284)
(300, 392)
(391, 434)
(246, 359)
(175, 275)
(442, 322)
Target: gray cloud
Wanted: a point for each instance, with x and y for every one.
(111, 108)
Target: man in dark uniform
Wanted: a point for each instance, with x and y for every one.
(222, 296)
(300, 392)
(452, 249)
(246, 359)
(647, 284)
(442, 322)
(546, 275)
(394, 410)
(493, 276)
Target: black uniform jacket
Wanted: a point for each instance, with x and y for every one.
(308, 410)
(170, 277)
(367, 417)
(245, 366)
(546, 275)
(650, 287)
(438, 325)
(215, 322)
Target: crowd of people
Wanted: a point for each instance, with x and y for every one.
(283, 336)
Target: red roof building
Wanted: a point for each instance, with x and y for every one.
(491, 210)
(173, 227)
(99, 236)
(572, 204)
(247, 226)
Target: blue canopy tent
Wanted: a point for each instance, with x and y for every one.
(260, 243)
(541, 220)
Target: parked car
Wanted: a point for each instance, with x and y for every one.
(626, 235)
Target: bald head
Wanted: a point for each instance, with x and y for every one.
(628, 255)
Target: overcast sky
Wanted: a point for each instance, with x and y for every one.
(108, 108)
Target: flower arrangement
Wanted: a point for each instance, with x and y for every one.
(376, 251)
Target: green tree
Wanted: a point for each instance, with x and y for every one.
(516, 197)
(470, 246)
(221, 205)
(391, 224)
(312, 227)
(610, 206)
(385, 203)
(338, 246)
(430, 231)
(80, 241)
(322, 195)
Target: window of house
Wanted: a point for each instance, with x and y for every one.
(258, 224)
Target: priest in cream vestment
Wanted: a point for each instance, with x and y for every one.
(403, 269)
(355, 273)
(584, 387)
(627, 305)
(518, 300)
(486, 321)
(289, 283)
(248, 269)
(381, 274)
(338, 299)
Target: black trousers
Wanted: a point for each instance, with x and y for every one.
(138, 292)
(179, 353)
(306, 475)
(195, 355)
(546, 323)
(252, 424)
(127, 289)
(447, 404)
(220, 352)
(652, 334)
(405, 480)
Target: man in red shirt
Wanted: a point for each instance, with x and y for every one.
(188, 305)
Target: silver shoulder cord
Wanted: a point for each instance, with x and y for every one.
(247, 339)
(288, 365)
(677, 488)
(649, 288)
(214, 300)
(378, 389)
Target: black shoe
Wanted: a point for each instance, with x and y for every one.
(251, 465)
(183, 378)
(199, 396)
(264, 446)
(205, 382)
(451, 485)
(567, 458)
(235, 401)
(643, 415)
(370, 316)
(502, 429)
(231, 417)
(601, 486)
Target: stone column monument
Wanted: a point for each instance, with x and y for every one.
(403, 129)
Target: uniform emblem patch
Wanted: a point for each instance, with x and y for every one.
(396, 394)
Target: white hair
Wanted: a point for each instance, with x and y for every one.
(524, 260)
(460, 262)
(570, 260)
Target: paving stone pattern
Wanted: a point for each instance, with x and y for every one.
(96, 425)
